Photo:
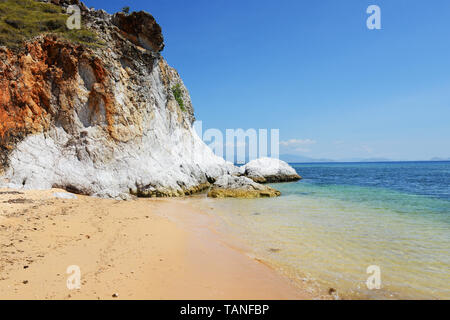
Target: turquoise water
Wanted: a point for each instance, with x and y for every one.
(326, 229)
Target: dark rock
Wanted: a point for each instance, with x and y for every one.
(141, 29)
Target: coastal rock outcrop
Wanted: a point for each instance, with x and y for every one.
(101, 120)
(269, 170)
(229, 186)
(141, 29)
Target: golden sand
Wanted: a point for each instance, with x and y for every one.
(141, 249)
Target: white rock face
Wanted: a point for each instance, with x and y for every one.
(269, 170)
(161, 164)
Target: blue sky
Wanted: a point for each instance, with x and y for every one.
(313, 70)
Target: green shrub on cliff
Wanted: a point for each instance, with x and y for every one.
(21, 20)
(178, 95)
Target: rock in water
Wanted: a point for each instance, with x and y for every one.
(269, 170)
(229, 186)
(102, 121)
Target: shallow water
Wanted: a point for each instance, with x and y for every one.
(341, 218)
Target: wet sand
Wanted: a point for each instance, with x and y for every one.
(140, 249)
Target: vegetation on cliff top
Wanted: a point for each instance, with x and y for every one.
(21, 20)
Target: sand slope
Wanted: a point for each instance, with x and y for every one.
(130, 248)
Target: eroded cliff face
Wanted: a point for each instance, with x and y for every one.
(100, 121)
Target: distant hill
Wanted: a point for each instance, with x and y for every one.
(293, 158)
(376, 160)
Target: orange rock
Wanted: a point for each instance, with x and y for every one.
(38, 84)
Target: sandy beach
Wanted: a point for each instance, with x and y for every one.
(140, 249)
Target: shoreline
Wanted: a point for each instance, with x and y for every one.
(139, 249)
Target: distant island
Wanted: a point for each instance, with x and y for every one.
(291, 158)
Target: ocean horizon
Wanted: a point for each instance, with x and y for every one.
(390, 161)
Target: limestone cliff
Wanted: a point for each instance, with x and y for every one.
(100, 120)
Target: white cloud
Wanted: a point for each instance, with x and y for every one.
(297, 142)
(297, 145)
(302, 150)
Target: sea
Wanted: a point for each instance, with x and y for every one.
(353, 230)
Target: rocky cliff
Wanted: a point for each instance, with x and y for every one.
(108, 120)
